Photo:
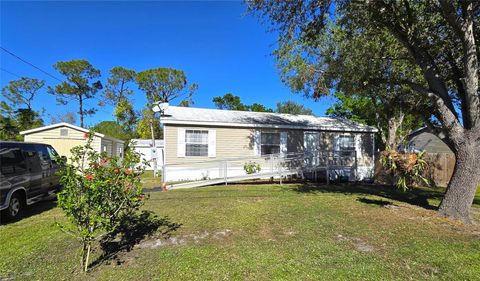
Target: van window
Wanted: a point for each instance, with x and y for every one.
(33, 158)
(52, 153)
(12, 161)
(43, 152)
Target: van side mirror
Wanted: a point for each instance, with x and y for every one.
(64, 158)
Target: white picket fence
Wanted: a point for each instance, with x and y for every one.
(329, 164)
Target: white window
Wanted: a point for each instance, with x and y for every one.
(270, 143)
(196, 142)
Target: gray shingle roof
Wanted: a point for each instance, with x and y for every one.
(216, 117)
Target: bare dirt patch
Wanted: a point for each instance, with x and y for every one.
(179, 240)
(359, 244)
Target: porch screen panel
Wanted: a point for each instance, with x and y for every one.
(346, 143)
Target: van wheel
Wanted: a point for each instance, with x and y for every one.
(15, 206)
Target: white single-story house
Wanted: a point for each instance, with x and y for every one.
(198, 141)
(64, 136)
(144, 147)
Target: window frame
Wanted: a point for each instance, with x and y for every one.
(204, 143)
(270, 144)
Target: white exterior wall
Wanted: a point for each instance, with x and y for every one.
(147, 156)
(144, 147)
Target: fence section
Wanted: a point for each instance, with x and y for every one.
(440, 167)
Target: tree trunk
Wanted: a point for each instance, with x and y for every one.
(394, 123)
(154, 159)
(461, 189)
(80, 101)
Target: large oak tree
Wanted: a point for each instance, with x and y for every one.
(427, 48)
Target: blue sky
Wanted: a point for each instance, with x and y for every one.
(215, 43)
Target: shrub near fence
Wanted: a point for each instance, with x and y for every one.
(439, 170)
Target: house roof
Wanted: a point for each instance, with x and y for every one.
(232, 118)
(429, 142)
(68, 125)
(146, 142)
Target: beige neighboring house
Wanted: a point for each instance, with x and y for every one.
(65, 136)
(195, 137)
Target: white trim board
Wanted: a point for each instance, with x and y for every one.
(271, 126)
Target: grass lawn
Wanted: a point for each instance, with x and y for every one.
(151, 182)
(263, 232)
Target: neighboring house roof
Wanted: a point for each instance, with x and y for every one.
(64, 124)
(146, 143)
(232, 118)
(422, 139)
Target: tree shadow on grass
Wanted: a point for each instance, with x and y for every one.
(133, 228)
(415, 196)
(380, 203)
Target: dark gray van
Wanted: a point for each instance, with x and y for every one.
(27, 175)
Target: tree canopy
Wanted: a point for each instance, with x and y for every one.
(116, 88)
(21, 92)
(144, 128)
(165, 84)
(117, 93)
(291, 107)
(80, 85)
(232, 102)
(393, 124)
(229, 102)
(16, 111)
(112, 129)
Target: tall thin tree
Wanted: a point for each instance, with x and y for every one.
(81, 84)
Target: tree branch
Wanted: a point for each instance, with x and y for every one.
(439, 132)
(463, 28)
(405, 35)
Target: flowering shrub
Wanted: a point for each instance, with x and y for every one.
(97, 191)
(407, 168)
